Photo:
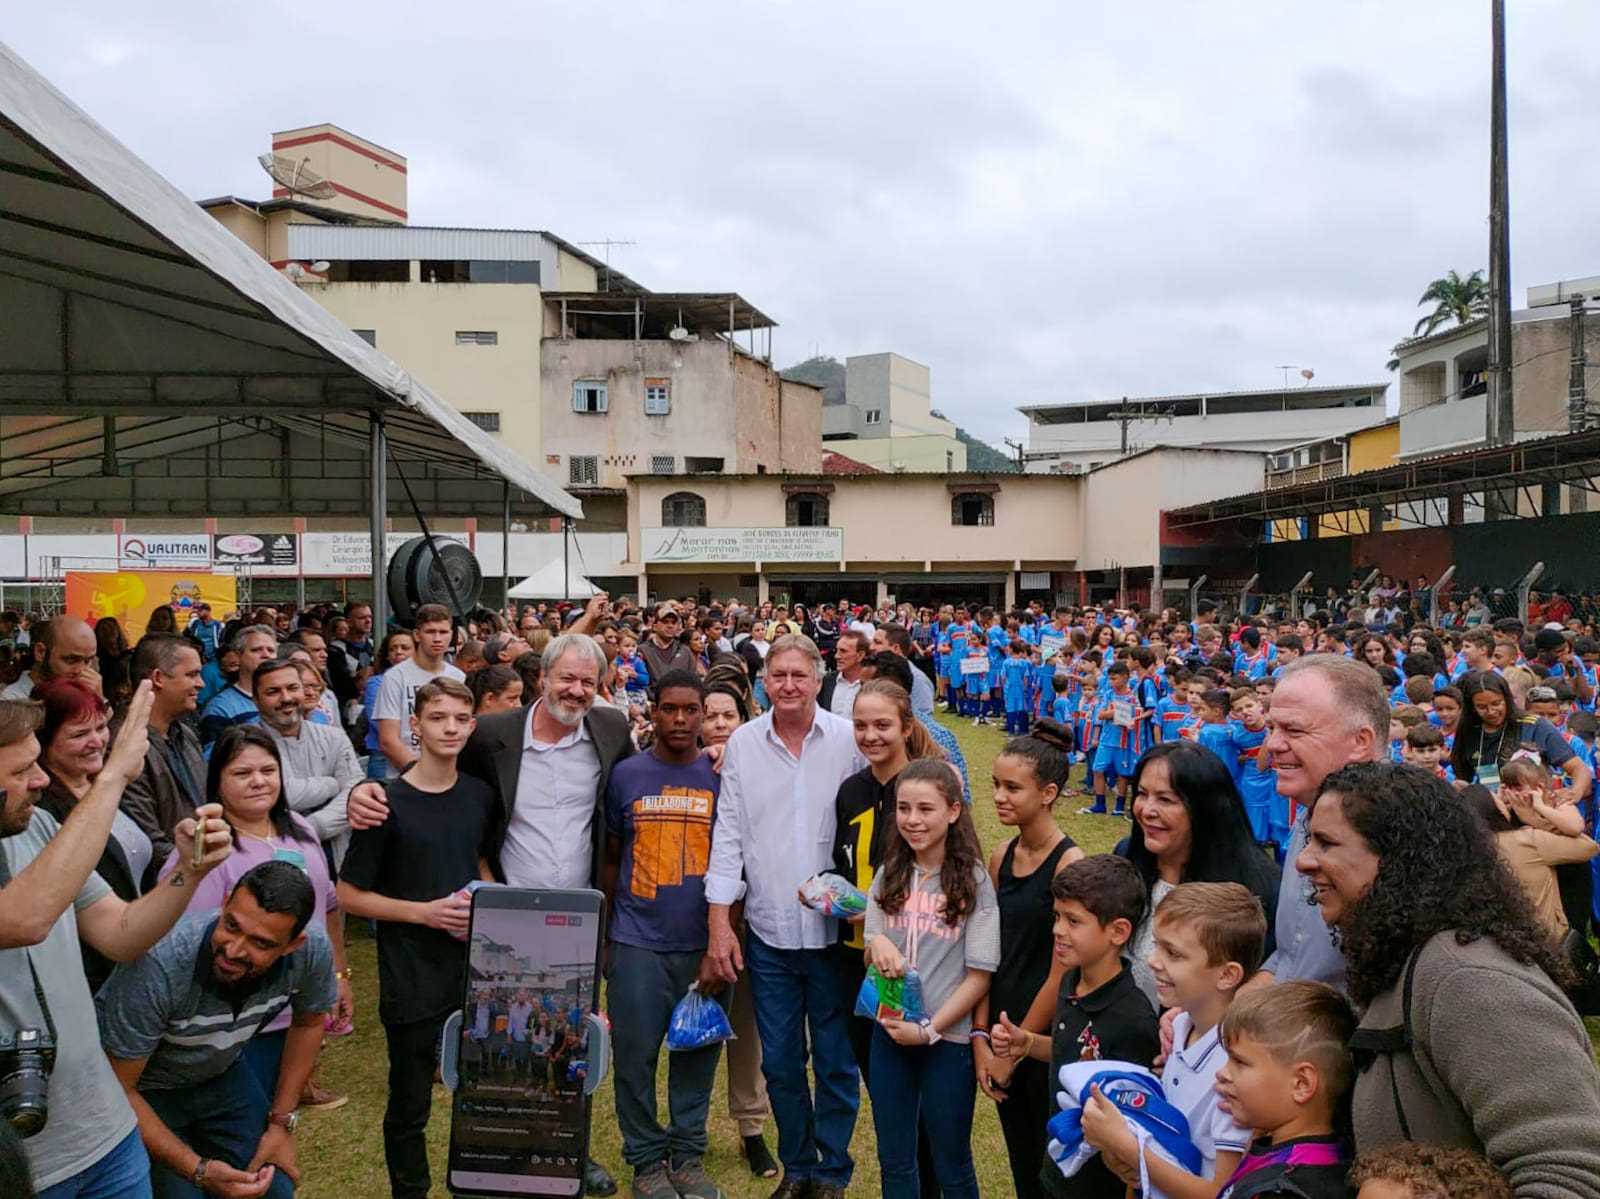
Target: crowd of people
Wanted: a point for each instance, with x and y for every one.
(1344, 935)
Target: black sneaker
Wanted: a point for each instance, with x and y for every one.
(760, 1157)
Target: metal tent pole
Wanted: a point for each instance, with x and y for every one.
(505, 547)
(566, 557)
(379, 511)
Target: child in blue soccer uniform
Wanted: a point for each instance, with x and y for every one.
(998, 642)
(1212, 731)
(954, 647)
(1267, 811)
(1015, 672)
(1085, 725)
(1117, 716)
(1173, 712)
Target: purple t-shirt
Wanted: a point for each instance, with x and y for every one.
(305, 851)
(663, 814)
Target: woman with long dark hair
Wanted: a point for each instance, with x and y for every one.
(1466, 1036)
(1190, 826)
(245, 775)
(1493, 728)
(397, 646)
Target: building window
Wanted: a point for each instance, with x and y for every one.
(807, 510)
(583, 470)
(874, 416)
(703, 466)
(489, 422)
(370, 336)
(657, 397)
(364, 270)
(589, 395)
(683, 510)
(477, 337)
(663, 464)
(477, 271)
(970, 509)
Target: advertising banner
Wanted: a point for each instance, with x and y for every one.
(164, 551)
(743, 545)
(130, 596)
(351, 553)
(255, 549)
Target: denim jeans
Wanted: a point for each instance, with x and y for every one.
(935, 1083)
(263, 1054)
(643, 988)
(124, 1173)
(797, 991)
(222, 1118)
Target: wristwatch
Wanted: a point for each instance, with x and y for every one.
(288, 1121)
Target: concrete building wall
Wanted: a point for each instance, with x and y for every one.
(370, 179)
(1372, 448)
(248, 226)
(416, 324)
(623, 437)
(1123, 502)
(907, 453)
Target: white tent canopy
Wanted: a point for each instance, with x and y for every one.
(151, 364)
(546, 583)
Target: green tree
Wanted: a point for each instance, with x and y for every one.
(1454, 299)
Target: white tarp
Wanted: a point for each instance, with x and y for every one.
(545, 583)
(123, 297)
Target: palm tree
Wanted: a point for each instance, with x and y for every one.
(1454, 299)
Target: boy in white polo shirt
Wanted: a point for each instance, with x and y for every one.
(1210, 938)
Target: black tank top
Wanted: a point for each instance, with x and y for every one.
(1026, 943)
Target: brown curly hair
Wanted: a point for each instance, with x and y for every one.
(963, 858)
(1432, 1172)
(1416, 824)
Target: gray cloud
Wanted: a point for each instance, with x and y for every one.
(1041, 201)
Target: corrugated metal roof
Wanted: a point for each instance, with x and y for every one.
(407, 242)
(1272, 393)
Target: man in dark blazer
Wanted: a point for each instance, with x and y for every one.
(548, 765)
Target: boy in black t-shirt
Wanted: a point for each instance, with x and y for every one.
(409, 874)
(1101, 1014)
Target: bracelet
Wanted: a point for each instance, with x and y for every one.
(344, 975)
(979, 1034)
(198, 1178)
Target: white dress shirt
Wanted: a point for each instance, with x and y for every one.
(549, 841)
(843, 701)
(775, 823)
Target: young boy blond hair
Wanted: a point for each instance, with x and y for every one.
(1209, 938)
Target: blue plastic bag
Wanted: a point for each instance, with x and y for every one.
(883, 998)
(697, 1021)
(833, 895)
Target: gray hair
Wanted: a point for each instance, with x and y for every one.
(796, 643)
(1355, 687)
(239, 638)
(565, 644)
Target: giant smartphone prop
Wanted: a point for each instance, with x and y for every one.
(526, 1050)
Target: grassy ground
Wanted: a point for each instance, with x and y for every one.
(342, 1151)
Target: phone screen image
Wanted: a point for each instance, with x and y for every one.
(519, 1123)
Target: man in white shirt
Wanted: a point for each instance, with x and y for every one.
(774, 829)
(397, 694)
(839, 688)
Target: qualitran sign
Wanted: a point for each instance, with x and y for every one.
(164, 551)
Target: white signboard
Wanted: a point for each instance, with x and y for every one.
(1051, 644)
(164, 551)
(742, 545)
(351, 553)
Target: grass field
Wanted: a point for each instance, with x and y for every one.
(341, 1152)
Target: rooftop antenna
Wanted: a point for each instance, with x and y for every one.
(296, 177)
(607, 242)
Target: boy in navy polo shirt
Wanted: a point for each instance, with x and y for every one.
(660, 810)
(1101, 1014)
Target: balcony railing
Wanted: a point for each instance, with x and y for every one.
(1316, 472)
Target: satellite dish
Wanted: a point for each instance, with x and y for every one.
(678, 333)
(294, 270)
(321, 266)
(1308, 374)
(296, 178)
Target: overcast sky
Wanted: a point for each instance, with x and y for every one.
(1041, 202)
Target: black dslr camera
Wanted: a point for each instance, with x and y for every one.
(26, 1059)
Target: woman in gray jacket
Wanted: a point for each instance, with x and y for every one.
(1466, 1037)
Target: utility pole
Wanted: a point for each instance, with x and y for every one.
(1499, 412)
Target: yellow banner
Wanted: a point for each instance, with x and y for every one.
(131, 595)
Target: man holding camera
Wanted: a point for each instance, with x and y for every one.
(81, 1133)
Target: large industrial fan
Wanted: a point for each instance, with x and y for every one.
(427, 570)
